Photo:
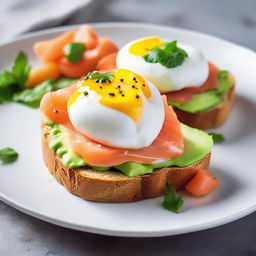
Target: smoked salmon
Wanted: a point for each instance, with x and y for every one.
(89, 60)
(54, 105)
(53, 49)
(107, 63)
(186, 94)
(86, 35)
(40, 74)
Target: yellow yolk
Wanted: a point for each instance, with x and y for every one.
(142, 47)
(123, 92)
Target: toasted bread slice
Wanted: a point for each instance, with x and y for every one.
(209, 118)
(113, 186)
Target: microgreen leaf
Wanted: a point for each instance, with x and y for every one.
(100, 77)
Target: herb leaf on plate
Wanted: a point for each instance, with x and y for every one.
(172, 200)
(14, 81)
(8, 155)
(21, 69)
(217, 137)
(8, 86)
(62, 83)
(32, 97)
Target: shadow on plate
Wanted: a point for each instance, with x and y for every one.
(242, 121)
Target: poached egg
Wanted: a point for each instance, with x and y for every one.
(192, 72)
(123, 110)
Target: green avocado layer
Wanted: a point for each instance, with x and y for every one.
(197, 144)
(58, 142)
(207, 99)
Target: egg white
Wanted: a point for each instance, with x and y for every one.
(193, 71)
(114, 128)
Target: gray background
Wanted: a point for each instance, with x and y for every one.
(234, 20)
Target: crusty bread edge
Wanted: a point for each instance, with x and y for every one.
(113, 186)
(210, 118)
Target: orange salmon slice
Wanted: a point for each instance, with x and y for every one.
(186, 94)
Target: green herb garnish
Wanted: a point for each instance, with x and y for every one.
(172, 201)
(168, 55)
(62, 83)
(32, 97)
(217, 137)
(14, 81)
(8, 155)
(74, 51)
(21, 69)
(100, 77)
(209, 98)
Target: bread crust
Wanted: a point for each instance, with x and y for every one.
(210, 118)
(111, 186)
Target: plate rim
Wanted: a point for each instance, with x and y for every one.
(118, 24)
(156, 233)
(121, 233)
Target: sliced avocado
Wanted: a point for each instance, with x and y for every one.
(58, 142)
(197, 144)
(132, 169)
(63, 82)
(209, 98)
(71, 160)
(199, 102)
(226, 81)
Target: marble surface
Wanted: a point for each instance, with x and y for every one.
(21, 234)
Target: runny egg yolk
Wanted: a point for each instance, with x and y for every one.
(124, 92)
(143, 46)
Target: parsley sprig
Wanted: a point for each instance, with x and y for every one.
(172, 201)
(13, 89)
(100, 77)
(169, 55)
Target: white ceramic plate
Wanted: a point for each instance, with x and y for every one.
(27, 185)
